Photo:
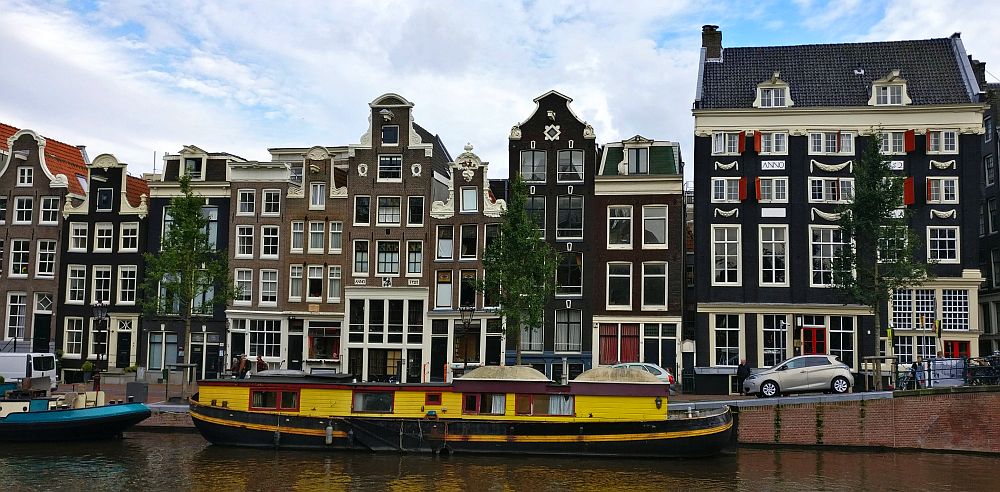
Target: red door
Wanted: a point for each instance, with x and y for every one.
(956, 349)
(813, 340)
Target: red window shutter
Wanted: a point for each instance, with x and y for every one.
(928, 190)
(756, 142)
(741, 145)
(743, 189)
(909, 141)
(757, 187)
(838, 140)
(909, 196)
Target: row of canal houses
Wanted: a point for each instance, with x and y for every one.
(362, 257)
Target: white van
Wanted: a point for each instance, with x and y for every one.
(17, 366)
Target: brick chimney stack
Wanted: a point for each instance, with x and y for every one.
(711, 40)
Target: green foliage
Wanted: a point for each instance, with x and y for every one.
(87, 366)
(877, 221)
(520, 268)
(130, 369)
(188, 266)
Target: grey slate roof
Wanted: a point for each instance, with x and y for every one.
(824, 74)
(441, 157)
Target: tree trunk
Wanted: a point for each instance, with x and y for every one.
(876, 311)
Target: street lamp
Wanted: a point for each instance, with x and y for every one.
(100, 316)
(466, 313)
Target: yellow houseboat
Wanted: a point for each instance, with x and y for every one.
(496, 409)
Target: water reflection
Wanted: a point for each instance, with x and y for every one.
(185, 462)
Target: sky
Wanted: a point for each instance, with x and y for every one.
(137, 78)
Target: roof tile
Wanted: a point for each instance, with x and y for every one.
(60, 158)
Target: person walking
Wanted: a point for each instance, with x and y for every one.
(742, 373)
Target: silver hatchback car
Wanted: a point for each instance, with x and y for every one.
(800, 374)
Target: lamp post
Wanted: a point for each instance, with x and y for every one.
(466, 313)
(100, 316)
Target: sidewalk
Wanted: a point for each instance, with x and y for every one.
(157, 393)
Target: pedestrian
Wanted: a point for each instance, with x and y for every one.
(916, 371)
(742, 373)
(261, 365)
(244, 366)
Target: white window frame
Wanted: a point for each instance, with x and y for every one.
(365, 261)
(812, 257)
(958, 244)
(246, 202)
(46, 208)
(129, 240)
(317, 273)
(568, 333)
(937, 141)
(270, 198)
(534, 165)
(439, 299)
(335, 232)
(389, 211)
(461, 242)
(626, 218)
(570, 176)
(844, 187)
(893, 143)
(387, 158)
(843, 143)
(300, 233)
(244, 297)
(73, 337)
(730, 191)
(13, 329)
(317, 195)
(726, 143)
(889, 94)
(666, 224)
(295, 274)
(19, 249)
(740, 338)
(107, 227)
(93, 282)
(269, 233)
(382, 136)
(317, 231)
(438, 250)
(737, 255)
(775, 184)
(666, 285)
(46, 258)
(769, 143)
(78, 242)
(563, 234)
(25, 176)
(128, 283)
(111, 199)
(244, 241)
(760, 253)
(418, 263)
(936, 186)
(773, 97)
(334, 283)
(387, 259)
(607, 288)
(76, 284)
(21, 210)
(268, 286)
(469, 200)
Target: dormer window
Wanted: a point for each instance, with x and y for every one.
(638, 160)
(390, 135)
(889, 91)
(773, 93)
(194, 167)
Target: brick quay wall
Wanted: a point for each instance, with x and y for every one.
(953, 419)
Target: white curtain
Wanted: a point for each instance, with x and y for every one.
(560, 405)
(499, 404)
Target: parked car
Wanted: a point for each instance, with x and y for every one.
(660, 373)
(800, 374)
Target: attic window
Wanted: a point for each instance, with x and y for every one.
(773, 93)
(83, 182)
(889, 91)
(193, 167)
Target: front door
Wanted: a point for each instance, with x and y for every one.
(40, 335)
(439, 357)
(813, 340)
(197, 358)
(494, 349)
(295, 352)
(123, 355)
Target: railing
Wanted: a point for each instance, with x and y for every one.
(944, 372)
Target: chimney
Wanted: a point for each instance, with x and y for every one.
(711, 40)
(83, 152)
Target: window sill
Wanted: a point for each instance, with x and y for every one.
(726, 154)
(620, 247)
(295, 251)
(655, 308)
(335, 251)
(766, 285)
(725, 201)
(72, 356)
(267, 304)
(415, 225)
(245, 214)
(335, 300)
(361, 224)
(389, 224)
(655, 246)
(619, 308)
(774, 154)
(270, 214)
(317, 207)
(388, 180)
(727, 284)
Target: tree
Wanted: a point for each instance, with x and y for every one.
(189, 276)
(520, 268)
(880, 254)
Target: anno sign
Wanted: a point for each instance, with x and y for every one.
(772, 165)
(895, 165)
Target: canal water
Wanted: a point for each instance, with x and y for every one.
(148, 461)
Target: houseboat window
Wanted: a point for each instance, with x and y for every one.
(432, 399)
(544, 405)
(264, 399)
(289, 400)
(485, 403)
(373, 402)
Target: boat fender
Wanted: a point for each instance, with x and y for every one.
(277, 438)
(329, 435)
(350, 437)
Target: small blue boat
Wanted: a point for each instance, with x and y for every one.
(33, 421)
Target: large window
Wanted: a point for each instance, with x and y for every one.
(725, 143)
(619, 285)
(74, 336)
(470, 242)
(445, 242)
(314, 284)
(17, 305)
(415, 210)
(570, 167)
(534, 206)
(129, 237)
(247, 202)
(725, 255)
(533, 166)
(773, 243)
(76, 288)
(390, 168)
(78, 237)
(244, 241)
(127, 284)
(942, 142)
(46, 266)
(372, 402)
(268, 286)
(360, 256)
(20, 257)
(269, 241)
(103, 237)
(569, 274)
(942, 190)
(389, 212)
(618, 343)
(775, 331)
(942, 244)
(772, 190)
(265, 337)
(842, 338)
(825, 244)
(49, 210)
(317, 195)
(654, 226)
(725, 190)
(654, 285)
(388, 257)
(638, 160)
(336, 237)
(102, 283)
(773, 143)
(569, 220)
(317, 236)
(23, 208)
(414, 257)
(532, 339)
(727, 339)
(244, 285)
(831, 143)
(620, 226)
(955, 309)
(831, 190)
(569, 330)
(324, 340)
(893, 143)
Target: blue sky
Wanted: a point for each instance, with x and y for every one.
(134, 78)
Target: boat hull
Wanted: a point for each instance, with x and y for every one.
(680, 438)
(81, 424)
